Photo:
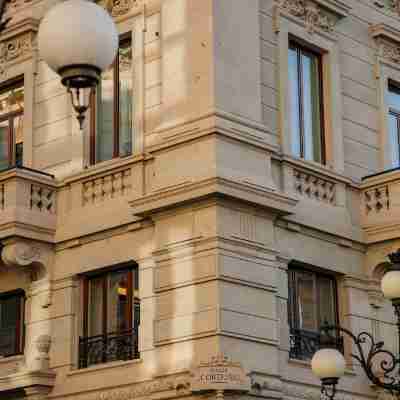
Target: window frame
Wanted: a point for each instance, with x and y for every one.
(20, 325)
(132, 269)
(394, 87)
(10, 117)
(124, 38)
(304, 49)
(293, 317)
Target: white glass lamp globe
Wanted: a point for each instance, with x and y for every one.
(78, 39)
(328, 364)
(390, 285)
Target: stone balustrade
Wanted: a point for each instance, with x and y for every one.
(380, 206)
(27, 204)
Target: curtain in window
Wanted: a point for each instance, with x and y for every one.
(96, 306)
(4, 145)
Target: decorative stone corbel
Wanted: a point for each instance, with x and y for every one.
(387, 39)
(20, 254)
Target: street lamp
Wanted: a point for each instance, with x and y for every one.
(78, 40)
(381, 366)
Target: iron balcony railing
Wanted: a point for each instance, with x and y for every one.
(303, 344)
(118, 346)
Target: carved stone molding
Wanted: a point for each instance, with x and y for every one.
(314, 187)
(178, 384)
(387, 39)
(17, 42)
(377, 199)
(317, 15)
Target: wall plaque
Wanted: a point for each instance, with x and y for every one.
(220, 373)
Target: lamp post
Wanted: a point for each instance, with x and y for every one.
(329, 364)
(78, 40)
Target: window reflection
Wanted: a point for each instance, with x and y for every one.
(393, 101)
(305, 82)
(11, 126)
(112, 132)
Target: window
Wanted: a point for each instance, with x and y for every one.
(312, 303)
(11, 323)
(111, 317)
(11, 125)
(306, 107)
(111, 119)
(393, 100)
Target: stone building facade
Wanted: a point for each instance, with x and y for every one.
(222, 209)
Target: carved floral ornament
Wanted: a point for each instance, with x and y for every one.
(311, 14)
(16, 49)
(118, 8)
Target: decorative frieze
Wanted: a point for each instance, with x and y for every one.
(317, 15)
(43, 199)
(106, 187)
(387, 39)
(314, 187)
(377, 199)
(311, 14)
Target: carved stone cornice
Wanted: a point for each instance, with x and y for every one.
(316, 15)
(387, 40)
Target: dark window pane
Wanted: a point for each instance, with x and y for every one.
(10, 325)
(125, 98)
(4, 144)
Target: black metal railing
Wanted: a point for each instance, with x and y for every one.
(118, 346)
(303, 344)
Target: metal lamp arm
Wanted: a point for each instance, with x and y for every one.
(388, 363)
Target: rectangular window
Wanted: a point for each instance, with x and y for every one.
(11, 125)
(306, 103)
(111, 118)
(312, 303)
(393, 101)
(11, 323)
(111, 317)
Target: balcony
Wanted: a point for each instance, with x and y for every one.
(380, 206)
(27, 204)
(119, 346)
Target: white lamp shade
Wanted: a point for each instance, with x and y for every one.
(390, 285)
(77, 32)
(328, 363)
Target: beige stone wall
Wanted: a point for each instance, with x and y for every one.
(211, 205)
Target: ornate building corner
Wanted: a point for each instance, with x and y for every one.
(18, 43)
(315, 15)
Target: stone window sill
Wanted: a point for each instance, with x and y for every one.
(307, 364)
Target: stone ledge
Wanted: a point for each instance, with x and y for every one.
(246, 192)
(22, 380)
